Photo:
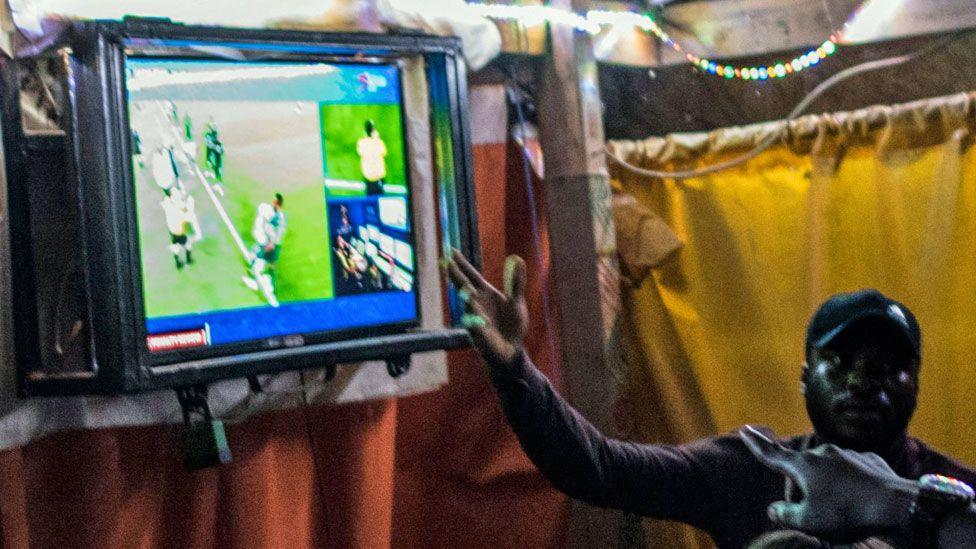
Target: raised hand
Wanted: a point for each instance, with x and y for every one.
(847, 496)
(497, 321)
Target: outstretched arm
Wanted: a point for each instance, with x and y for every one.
(651, 480)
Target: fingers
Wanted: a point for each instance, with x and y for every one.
(865, 461)
(878, 463)
(787, 514)
(828, 450)
(474, 317)
(772, 454)
(459, 280)
(868, 460)
(467, 269)
(515, 275)
(473, 322)
(484, 336)
(766, 450)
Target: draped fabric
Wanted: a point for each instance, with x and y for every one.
(884, 197)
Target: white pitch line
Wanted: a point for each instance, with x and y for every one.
(267, 291)
(210, 192)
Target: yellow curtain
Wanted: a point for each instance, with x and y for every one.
(884, 198)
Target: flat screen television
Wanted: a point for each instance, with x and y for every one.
(247, 202)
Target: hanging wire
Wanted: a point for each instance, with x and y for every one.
(515, 92)
(772, 138)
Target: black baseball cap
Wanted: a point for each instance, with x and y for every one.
(843, 310)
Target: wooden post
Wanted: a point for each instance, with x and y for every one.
(582, 243)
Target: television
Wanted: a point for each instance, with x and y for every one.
(237, 202)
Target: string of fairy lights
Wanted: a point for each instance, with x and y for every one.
(594, 21)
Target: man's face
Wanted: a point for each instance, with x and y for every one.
(861, 388)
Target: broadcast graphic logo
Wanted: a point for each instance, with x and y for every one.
(372, 82)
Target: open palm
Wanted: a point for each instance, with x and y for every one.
(497, 321)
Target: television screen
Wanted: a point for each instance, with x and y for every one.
(262, 192)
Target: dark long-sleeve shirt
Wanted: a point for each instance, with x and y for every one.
(714, 484)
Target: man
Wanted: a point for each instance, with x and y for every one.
(215, 155)
(372, 159)
(165, 172)
(344, 230)
(860, 380)
(187, 127)
(352, 266)
(137, 149)
(268, 232)
(348, 276)
(178, 211)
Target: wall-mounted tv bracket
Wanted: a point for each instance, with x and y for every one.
(204, 440)
(254, 384)
(330, 372)
(396, 366)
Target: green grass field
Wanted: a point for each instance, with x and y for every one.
(256, 165)
(343, 126)
(304, 267)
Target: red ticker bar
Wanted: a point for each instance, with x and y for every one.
(178, 340)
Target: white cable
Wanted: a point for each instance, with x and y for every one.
(784, 124)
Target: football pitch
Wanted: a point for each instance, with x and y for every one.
(269, 147)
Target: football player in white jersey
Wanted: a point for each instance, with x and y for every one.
(165, 171)
(180, 218)
(268, 233)
(372, 159)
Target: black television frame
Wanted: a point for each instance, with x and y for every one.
(98, 142)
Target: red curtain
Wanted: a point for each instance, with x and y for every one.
(436, 470)
(461, 478)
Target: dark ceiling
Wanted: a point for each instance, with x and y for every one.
(682, 99)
